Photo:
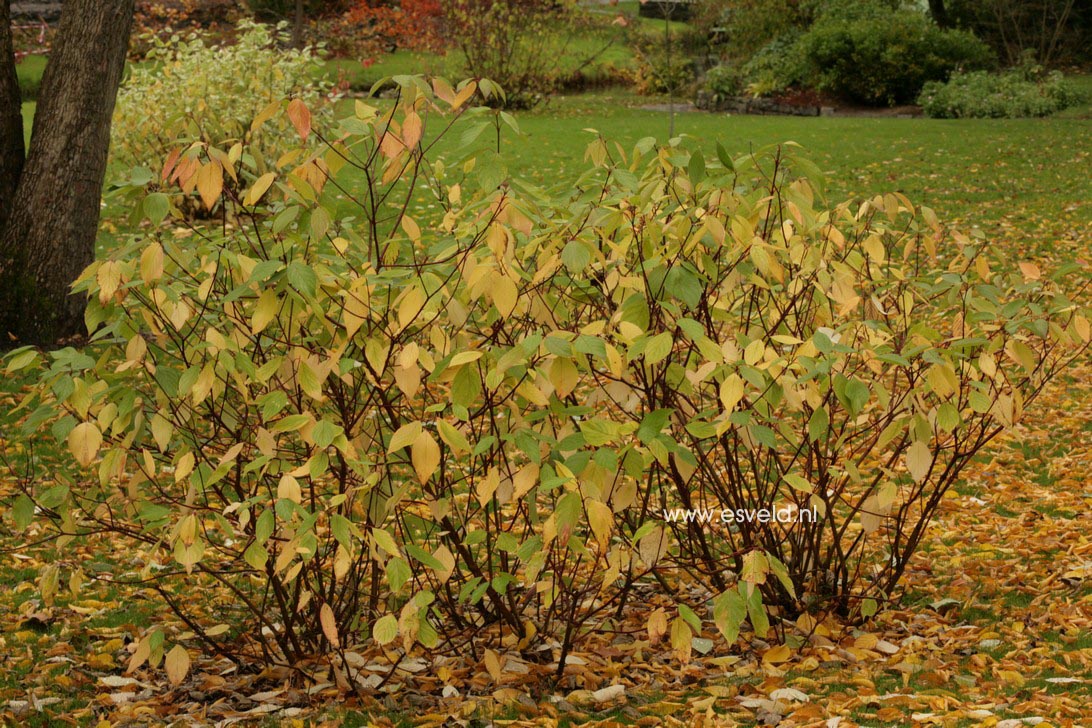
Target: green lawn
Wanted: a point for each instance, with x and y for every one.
(1020, 180)
(29, 108)
(29, 72)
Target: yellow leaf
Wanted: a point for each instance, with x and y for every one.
(464, 95)
(329, 625)
(264, 311)
(210, 183)
(492, 664)
(524, 480)
(289, 488)
(108, 276)
(265, 115)
(1082, 327)
(443, 90)
(151, 263)
(564, 376)
(84, 442)
(177, 664)
(504, 295)
(657, 625)
(601, 519)
(425, 454)
(681, 636)
(259, 188)
(412, 303)
(445, 557)
(143, 652)
(731, 392)
(919, 460)
(1030, 271)
(411, 129)
(300, 117)
(411, 228)
(653, 546)
(405, 435)
(774, 655)
(465, 357)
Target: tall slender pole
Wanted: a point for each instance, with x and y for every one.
(669, 10)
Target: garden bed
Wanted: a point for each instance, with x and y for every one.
(798, 104)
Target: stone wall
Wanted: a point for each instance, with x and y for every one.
(47, 10)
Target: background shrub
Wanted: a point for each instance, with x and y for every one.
(777, 66)
(886, 58)
(160, 19)
(660, 69)
(1020, 92)
(724, 81)
(192, 92)
(518, 44)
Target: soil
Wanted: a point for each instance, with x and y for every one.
(810, 97)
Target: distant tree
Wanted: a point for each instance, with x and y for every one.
(50, 198)
(940, 13)
(1054, 31)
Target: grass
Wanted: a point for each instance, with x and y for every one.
(29, 72)
(1023, 182)
(29, 107)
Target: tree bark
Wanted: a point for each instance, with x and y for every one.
(940, 13)
(297, 26)
(50, 235)
(12, 150)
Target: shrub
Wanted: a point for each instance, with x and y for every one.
(660, 68)
(518, 44)
(276, 10)
(887, 58)
(724, 81)
(778, 66)
(1017, 93)
(163, 18)
(469, 429)
(193, 93)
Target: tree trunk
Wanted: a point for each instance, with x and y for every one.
(50, 235)
(297, 26)
(940, 13)
(11, 118)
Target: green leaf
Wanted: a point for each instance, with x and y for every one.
(424, 557)
(325, 432)
(756, 611)
(398, 573)
(303, 278)
(818, 425)
(22, 512)
(856, 396)
(263, 527)
(729, 611)
(685, 286)
(691, 618)
(652, 424)
(256, 555)
(576, 256)
(782, 573)
(657, 348)
(156, 207)
(696, 168)
(385, 629)
(725, 158)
